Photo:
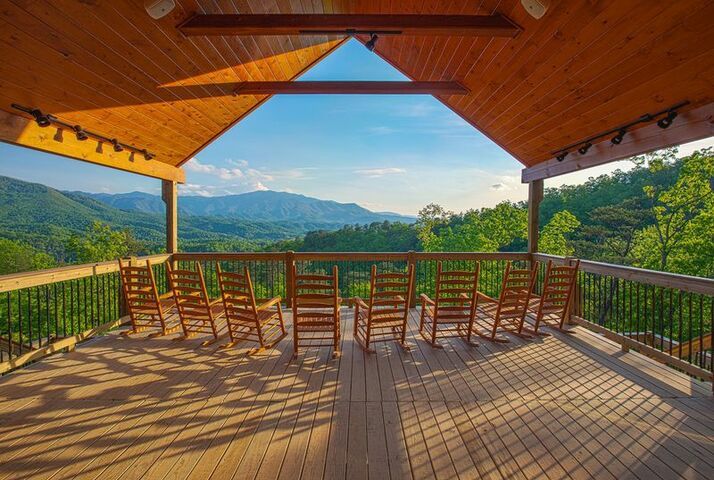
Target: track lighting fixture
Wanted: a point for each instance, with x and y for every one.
(617, 139)
(372, 42)
(584, 149)
(45, 120)
(584, 146)
(81, 134)
(667, 121)
(42, 120)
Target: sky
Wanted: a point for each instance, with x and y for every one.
(387, 153)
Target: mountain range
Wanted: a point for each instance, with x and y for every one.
(45, 217)
(257, 206)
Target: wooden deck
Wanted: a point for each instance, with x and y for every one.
(558, 407)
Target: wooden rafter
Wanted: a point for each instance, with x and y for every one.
(311, 24)
(350, 87)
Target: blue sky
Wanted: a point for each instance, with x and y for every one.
(387, 153)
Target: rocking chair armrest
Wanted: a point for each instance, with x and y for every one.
(166, 295)
(426, 300)
(215, 302)
(360, 303)
(270, 303)
(481, 295)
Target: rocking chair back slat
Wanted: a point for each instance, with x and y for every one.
(508, 313)
(244, 318)
(452, 311)
(316, 310)
(146, 308)
(195, 310)
(385, 316)
(552, 306)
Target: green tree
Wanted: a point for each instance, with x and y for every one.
(100, 243)
(429, 220)
(681, 214)
(554, 235)
(20, 257)
(610, 233)
(486, 230)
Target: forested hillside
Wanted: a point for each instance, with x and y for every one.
(657, 215)
(42, 227)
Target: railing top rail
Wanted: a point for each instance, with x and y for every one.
(686, 283)
(678, 281)
(17, 281)
(347, 256)
(471, 256)
(229, 256)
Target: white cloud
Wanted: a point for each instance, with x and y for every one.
(242, 178)
(380, 172)
(194, 165)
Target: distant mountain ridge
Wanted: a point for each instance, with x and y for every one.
(45, 218)
(266, 206)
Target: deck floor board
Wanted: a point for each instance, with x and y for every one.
(563, 406)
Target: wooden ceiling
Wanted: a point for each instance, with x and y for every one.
(585, 67)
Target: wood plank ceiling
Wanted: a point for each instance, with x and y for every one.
(585, 67)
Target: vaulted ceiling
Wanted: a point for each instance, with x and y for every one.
(583, 68)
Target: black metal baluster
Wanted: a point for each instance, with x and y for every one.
(9, 326)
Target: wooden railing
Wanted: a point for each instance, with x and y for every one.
(50, 310)
(663, 315)
(271, 276)
(666, 316)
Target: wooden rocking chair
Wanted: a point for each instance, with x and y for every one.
(509, 311)
(385, 318)
(245, 320)
(146, 307)
(451, 313)
(197, 313)
(316, 310)
(552, 307)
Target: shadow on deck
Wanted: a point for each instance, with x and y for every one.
(557, 407)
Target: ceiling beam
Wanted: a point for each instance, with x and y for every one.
(689, 126)
(349, 24)
(350, 88)
(21, 131)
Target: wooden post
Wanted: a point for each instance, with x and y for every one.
(412, 261)
(535, 195)
(169, 194)
(574, 308)
(289, 261)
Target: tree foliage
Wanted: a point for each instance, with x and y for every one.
(19, 257)
(100, 243)
(554, 236)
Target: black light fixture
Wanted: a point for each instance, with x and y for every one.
(620, 131)
(81, 134)
(617, 139)
(41, 119)
(667, 121)
(372, 42)
(45, 120)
